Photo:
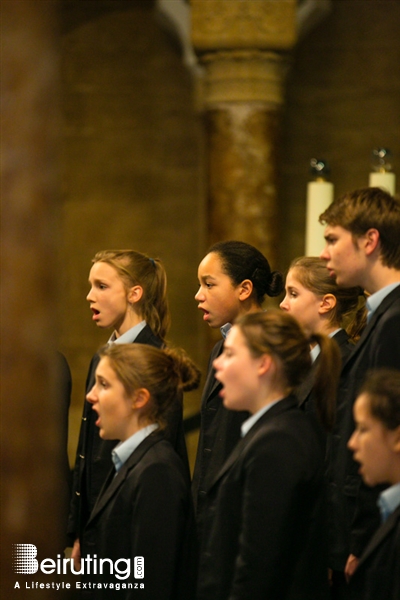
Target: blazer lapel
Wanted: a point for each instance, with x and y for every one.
(381, 534)
(382, 308)
(281, 406)
(212, 384)
(114, 481)
(146, 336)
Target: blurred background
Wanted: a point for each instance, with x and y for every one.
(161, 126)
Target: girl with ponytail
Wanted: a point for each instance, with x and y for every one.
(320, 306)
(128, 294)
(266, 507)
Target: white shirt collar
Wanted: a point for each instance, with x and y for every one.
(129, 336)
(248, 424)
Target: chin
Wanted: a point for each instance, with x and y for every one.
(232, 406)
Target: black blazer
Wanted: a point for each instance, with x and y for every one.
(93, 455)
(305, 393)
(145, 510)
(353, 510)
(265, 514)
(219, 433)
(378, 573)
(304, 390)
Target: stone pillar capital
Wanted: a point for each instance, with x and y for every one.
(241, 24)
(243, 76)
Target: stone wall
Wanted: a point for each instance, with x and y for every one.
(342, 100)
(131, 169)
(134, 171)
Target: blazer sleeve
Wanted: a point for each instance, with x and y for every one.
(158, 526)
(75, 508)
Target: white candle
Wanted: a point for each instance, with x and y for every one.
(319, 197)
(383, 179)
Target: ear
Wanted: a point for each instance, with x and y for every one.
(265, 365)
(371, 241)
(396, 440)
(245, 289)
(135, 294)
(140, 398)
(327, 304)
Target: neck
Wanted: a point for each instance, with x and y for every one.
(268, 398)
(379, 277)
(249, 306)
(129, 321)
(134, 426)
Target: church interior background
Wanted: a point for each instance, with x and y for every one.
(163, 126)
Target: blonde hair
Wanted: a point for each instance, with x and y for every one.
(136, 268)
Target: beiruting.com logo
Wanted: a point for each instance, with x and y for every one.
(24, 559)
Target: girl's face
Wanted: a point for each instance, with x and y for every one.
(238, 371)
(372, 444)
(108, 298)
(301, 303)
(218, 296)
(109, 400)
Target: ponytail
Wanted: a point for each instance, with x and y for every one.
(326, 379)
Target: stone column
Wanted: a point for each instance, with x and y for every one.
(243, 46)
(31, 453)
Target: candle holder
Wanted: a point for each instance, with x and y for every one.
(319, 168)
(381, 174)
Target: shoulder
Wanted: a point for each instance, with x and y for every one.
(289, 429)
(147, 336)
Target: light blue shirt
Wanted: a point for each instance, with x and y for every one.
(316, 350)
(389, 500)
(123, 450)
(225, 329)
(129, 336)
(374, 300)
(248, 424)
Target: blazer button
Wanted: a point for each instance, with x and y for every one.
(78, 493)
(206, 450)
(84, 418)
(81, 456)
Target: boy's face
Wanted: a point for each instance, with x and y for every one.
(344, 256)
(373, 445)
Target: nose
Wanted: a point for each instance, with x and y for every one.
(199, 297)
(89, 297)
(351, 443)
(284, 304)
(324, 254)
(92, 396)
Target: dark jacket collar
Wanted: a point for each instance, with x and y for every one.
(114, 481)
(382, 308)
(281, 406)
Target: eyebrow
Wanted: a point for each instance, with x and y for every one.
(203, 277)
